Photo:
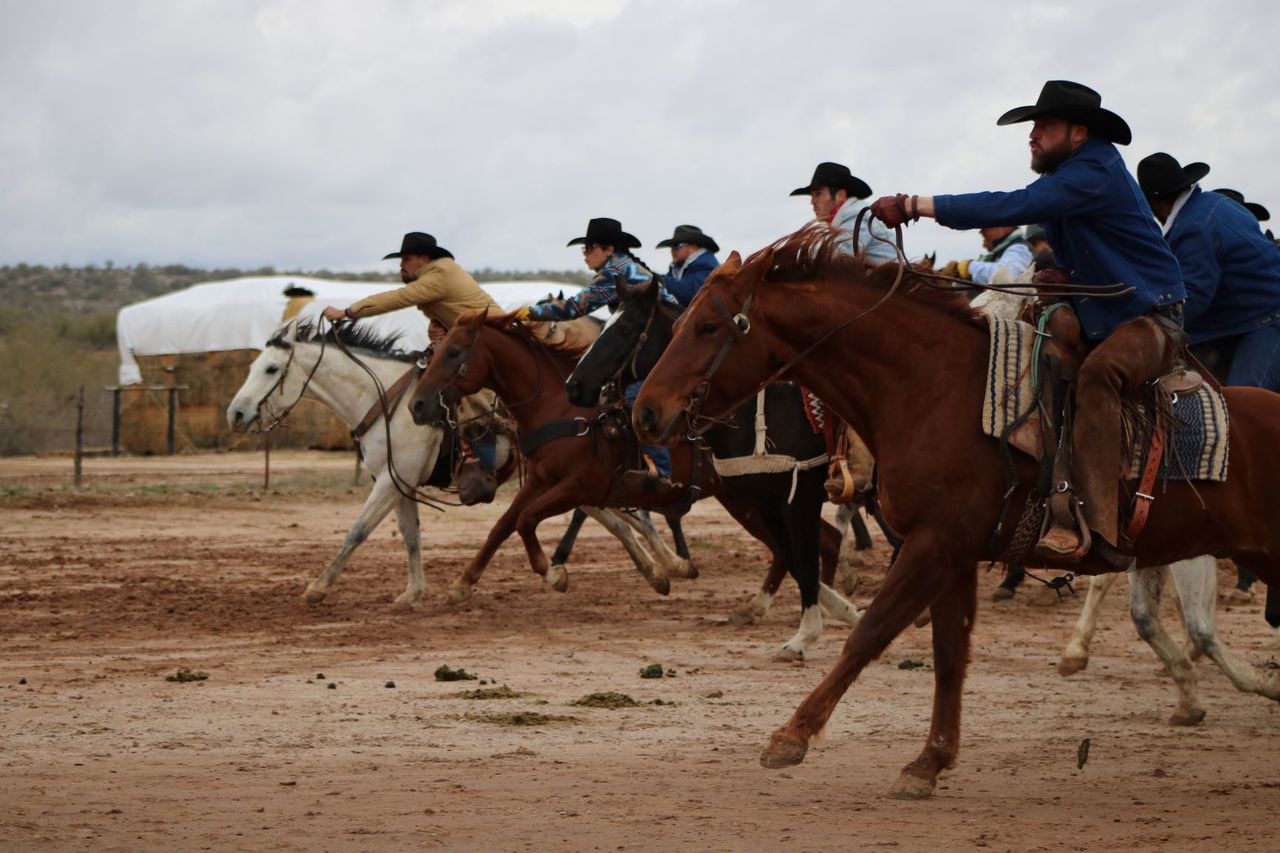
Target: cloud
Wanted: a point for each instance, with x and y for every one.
(313, 134)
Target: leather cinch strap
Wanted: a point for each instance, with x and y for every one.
(1145, 496)
(386, 404)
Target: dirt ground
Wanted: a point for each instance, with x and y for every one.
(298, 741)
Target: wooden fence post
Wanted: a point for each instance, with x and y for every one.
(79, 432)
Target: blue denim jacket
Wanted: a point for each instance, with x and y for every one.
(602, 291)
(684, 282)
(1099, 225)
(1231, 270)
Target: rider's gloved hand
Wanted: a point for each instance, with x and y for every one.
(1054, 276)
(956, 269)
(521, 314)
(895, 210)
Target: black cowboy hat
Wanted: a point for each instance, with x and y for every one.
(606, 232)
(838, 178)
(689, 234)
(1075, 103)
(1161, 176)
(1259, 212)
(418, 243)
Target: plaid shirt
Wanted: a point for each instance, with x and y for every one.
(602, 291)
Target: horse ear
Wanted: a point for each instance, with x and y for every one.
(290, 330)
(733, 263)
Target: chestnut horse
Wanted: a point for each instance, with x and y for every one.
(576, 466)
(798, 310)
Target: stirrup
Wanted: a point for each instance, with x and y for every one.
(839, 484)
(1064, 535)
(648, 482)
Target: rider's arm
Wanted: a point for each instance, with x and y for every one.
(598, 293)
(423, 290)
(1016, 260)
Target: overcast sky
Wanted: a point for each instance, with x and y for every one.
(313, 133)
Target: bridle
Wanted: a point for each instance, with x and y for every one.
(265, 406)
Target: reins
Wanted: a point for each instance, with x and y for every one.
(740, 323)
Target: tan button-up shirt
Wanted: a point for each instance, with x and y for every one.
(444, 292)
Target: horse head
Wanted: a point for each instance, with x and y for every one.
(271, 386)
(719, 321)
(627, 347)
(460, 366)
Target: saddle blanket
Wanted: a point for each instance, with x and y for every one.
(1197, 443)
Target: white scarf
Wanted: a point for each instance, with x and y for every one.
(1177, 208)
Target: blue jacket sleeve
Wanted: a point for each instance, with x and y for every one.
(1076, 190)
(1201, 271)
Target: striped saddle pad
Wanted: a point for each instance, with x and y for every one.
(1197, 443)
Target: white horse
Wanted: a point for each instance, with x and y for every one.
(1196, 583)
(295, 366)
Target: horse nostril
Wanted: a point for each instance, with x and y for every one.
(647, 418)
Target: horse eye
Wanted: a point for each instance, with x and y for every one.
(708, 328)
(452, 353)
(272, 369)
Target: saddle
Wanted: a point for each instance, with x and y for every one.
(1043, 430)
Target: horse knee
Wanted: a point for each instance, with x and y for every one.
(1146, 623)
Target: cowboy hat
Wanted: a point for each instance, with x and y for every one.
(606, 232)
(689, 234)
(837, 177)
(1161, 176)
(418, 243)
(1259, 212)
(1077, 104)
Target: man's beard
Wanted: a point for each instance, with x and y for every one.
(406, 277)
(1050, 159)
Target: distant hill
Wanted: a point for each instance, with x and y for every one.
(85, 291)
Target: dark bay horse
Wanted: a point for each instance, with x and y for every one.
(915, 397)
(577, 466)
(788, 501)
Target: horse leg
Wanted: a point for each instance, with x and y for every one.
(617, 524)
(671, 563)
(755, 609)
(1196, 582)
(843, 570)
(570, 538)
(1014, 575)
(505, 525)
(382, 497)
(799, 528)
(1075, 656)
(558, 498)
(686, 568)
(953, 614)
(407, 516)
(1145, 587)
(910, 586)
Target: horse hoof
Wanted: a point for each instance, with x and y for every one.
(1070, 666)
(923, 619)
(314, 596)
(687, 570)
(559, 580)
(742, 616)
(910, 787)
(784, 750)
(402, 605)
(1002, 593)
(662, 586)
(459, 594)
(789, 655)
(1186, 717)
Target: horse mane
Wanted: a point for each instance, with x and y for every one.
(354, 336)
(813, 252)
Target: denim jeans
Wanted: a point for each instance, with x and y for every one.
(486, 450)
(661, 456)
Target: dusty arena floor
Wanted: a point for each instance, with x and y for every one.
(297, 741)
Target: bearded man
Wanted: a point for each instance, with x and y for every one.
(1102, 231)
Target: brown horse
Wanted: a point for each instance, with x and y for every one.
(577, 465)
(908, 374)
